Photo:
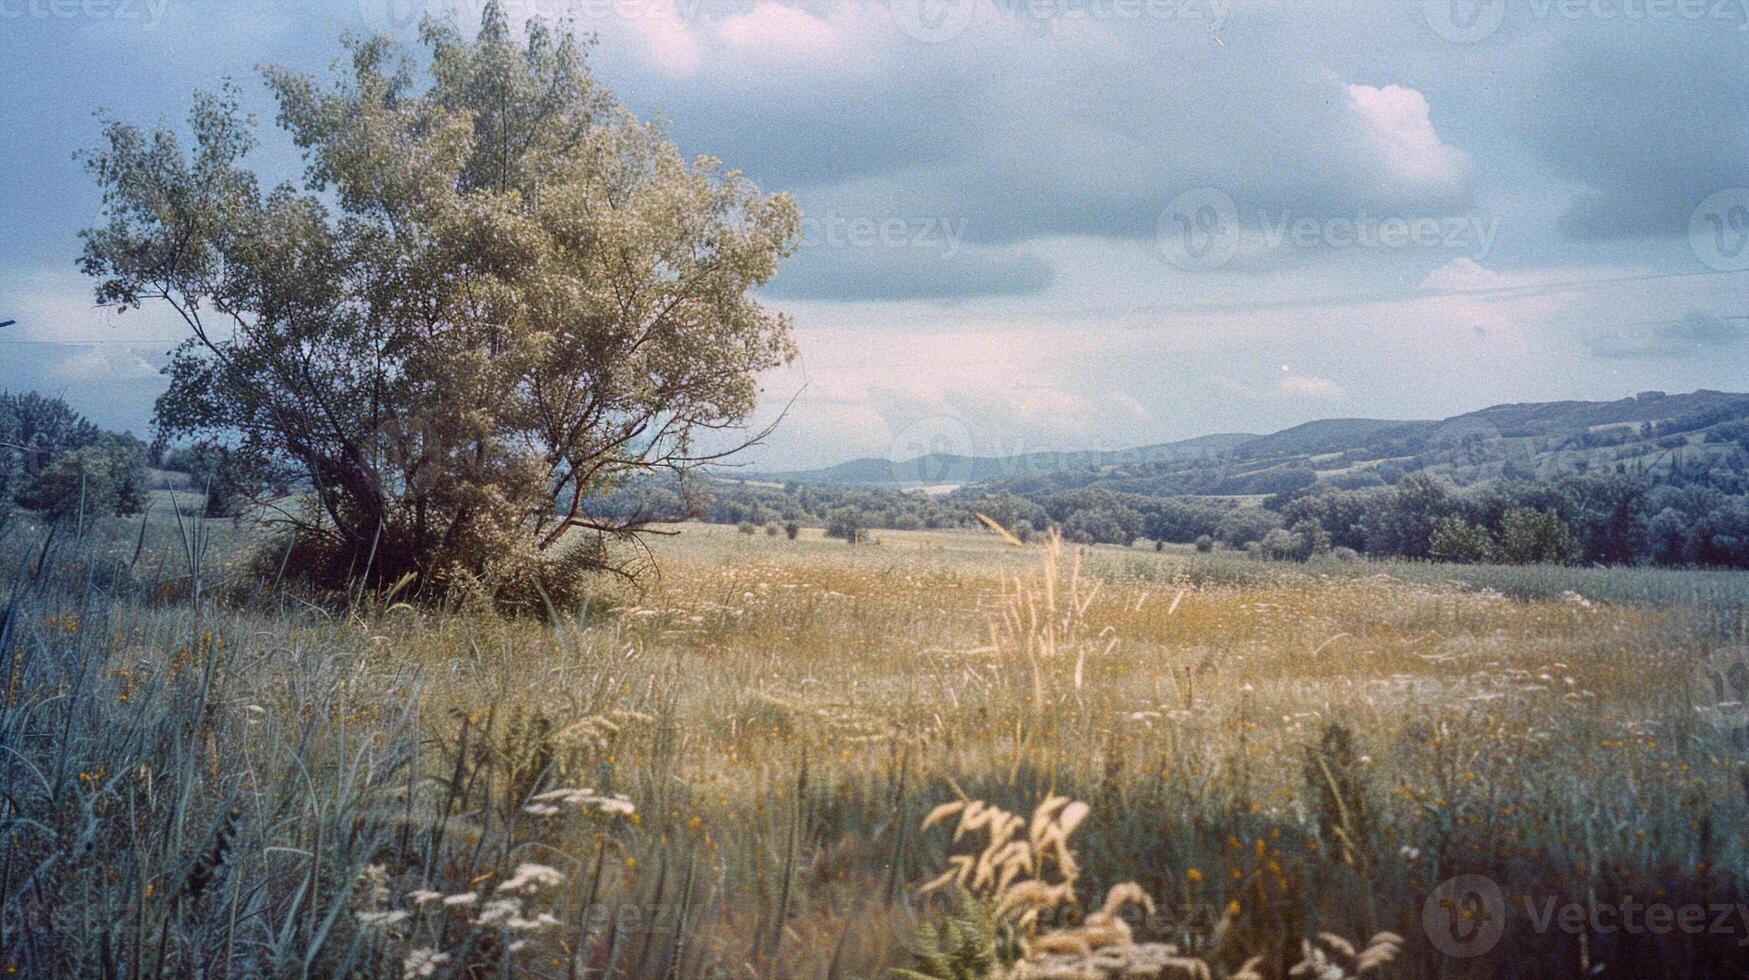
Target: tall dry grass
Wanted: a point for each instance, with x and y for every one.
(726, 775)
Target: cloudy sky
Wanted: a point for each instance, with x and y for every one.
(1055, 224)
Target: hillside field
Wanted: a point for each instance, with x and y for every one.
(726, 772)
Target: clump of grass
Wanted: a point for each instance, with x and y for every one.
(1025, 872)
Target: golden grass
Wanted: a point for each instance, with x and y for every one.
(783, 714)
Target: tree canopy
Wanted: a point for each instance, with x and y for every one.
(493, 296)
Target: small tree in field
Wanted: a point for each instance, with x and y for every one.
(494, 297)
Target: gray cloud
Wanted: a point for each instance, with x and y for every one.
(1695, 333)
(1648, 120)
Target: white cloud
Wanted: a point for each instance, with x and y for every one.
(1399, 131)
(1310, 386)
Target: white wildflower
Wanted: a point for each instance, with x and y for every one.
(465, 898)
(532, 877)
(422, 962)
(499, 911)
(373, 880)
(382, 919)
(424, 895)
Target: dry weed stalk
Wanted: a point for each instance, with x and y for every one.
(1045, 618)
(1026, 869)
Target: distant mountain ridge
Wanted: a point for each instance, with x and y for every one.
(1532, 435)
(952, 469)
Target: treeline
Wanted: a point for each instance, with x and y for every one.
(55, 461)
(1610, 518)
(1603, 518)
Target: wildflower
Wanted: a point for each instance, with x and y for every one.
(373, 880)
(1194, 875)
(517, 923)
(532, 877)
(499, 911)
(422, 962)
(381, 919)
(424, 895)
(465, 898)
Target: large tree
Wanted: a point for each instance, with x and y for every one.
(494, 296)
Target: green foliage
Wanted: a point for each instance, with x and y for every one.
(1457, 540)
(961, 945)
(519, 293)
(41, 428)
(1531, 536)
(845, 524)
(81, 482)
(101, 479)
(229, 479)
(1280, 544)
(55, 461)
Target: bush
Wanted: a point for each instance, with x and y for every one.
(1282, 545)
(845, 524)
(791, 530)
(1204, 543)
(746, 527)
(77, 483)
(1457, 540)
(1531, 536)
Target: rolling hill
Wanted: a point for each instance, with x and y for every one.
(1649, 430)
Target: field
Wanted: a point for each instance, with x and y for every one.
(726, 773)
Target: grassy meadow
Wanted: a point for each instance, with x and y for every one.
(726, 773)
